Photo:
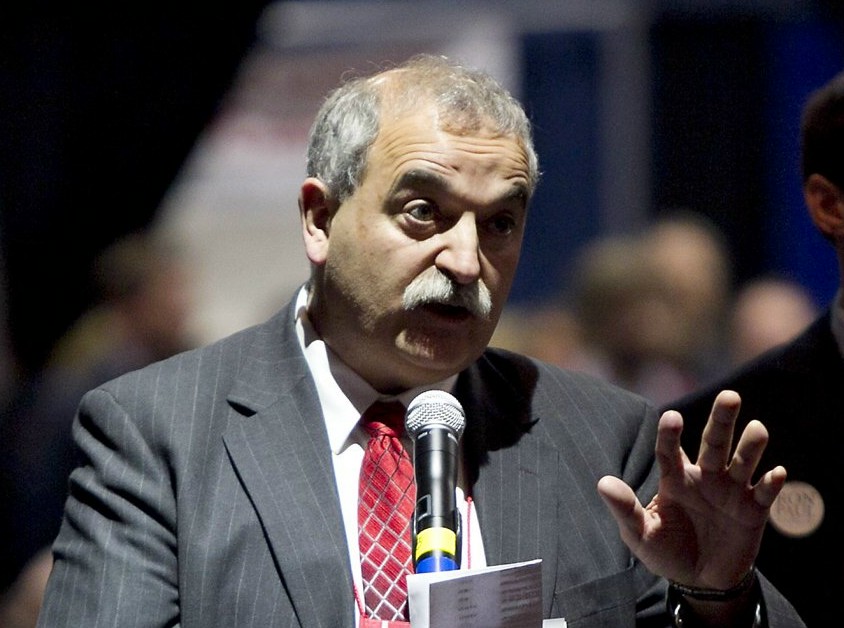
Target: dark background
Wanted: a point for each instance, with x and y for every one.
(98, 109)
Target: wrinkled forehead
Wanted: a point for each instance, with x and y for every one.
(413, 156)
(453, 106)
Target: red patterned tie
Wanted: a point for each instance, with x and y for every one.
(385, 507)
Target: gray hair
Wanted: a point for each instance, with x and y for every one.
(348, 121)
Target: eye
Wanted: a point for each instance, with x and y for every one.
(422, 210)
(502, 224)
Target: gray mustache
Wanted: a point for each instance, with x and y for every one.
(434, 287)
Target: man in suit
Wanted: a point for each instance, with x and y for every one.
(797, 389)
(219, 487)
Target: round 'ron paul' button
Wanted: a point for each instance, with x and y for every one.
(798, 510)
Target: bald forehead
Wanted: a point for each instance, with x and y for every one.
(410, 90)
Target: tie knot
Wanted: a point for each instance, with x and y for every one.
(384, 418)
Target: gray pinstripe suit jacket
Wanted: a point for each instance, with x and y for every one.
(208, 496)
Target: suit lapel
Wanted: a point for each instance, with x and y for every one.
(516, 495)
(516, 484)
(277, 444)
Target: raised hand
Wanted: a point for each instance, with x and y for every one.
(704, 526)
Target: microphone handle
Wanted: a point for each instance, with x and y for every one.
(436, 522)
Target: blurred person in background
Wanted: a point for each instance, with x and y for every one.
(629, 329)
(766, 313)
(797, 388)
(545, 331)
(689, 258)
(645, 311)
(139, 316)
(20, 603)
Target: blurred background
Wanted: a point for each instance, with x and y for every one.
(192, 120)
(150, 160)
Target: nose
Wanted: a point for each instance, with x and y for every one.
(459, 257)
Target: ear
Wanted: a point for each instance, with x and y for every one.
(315, 211)
(826, 206)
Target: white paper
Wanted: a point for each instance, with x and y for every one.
(502, 596)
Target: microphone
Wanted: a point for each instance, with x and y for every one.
(435, 422)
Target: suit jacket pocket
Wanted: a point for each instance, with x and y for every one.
(609, 602)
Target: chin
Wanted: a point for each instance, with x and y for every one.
(439, 357)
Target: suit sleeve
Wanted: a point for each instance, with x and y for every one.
(778, 610)
(115, 556)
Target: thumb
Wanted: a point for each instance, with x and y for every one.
(624, 507)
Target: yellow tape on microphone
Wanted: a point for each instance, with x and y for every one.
(441, 540)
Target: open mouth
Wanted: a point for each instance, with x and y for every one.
(453, 312)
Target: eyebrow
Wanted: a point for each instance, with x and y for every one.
(419, 178)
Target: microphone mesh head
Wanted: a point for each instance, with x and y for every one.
(435, 407)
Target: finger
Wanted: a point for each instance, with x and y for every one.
(717, 440)
(669, 454)
(748, 452)
(769, 486)
(624, 507)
